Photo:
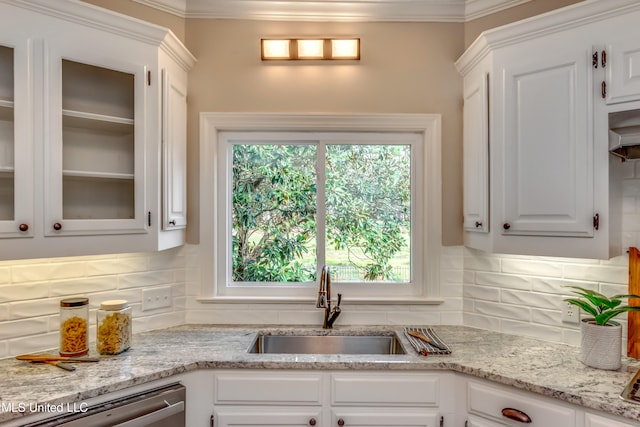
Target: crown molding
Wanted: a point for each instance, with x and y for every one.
(335, 10)
(572, 16)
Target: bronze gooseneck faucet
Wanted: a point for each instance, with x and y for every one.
(324, 299)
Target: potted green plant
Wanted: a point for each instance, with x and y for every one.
(601, 340)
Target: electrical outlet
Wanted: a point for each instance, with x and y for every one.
(570, 313)
(156, 298)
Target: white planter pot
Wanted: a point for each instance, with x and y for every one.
(601, 345)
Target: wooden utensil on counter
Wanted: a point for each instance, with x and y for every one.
(419, 335)
(633, 318)
(45, 357)
(61, 365)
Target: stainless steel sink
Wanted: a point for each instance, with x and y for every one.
(326, 344)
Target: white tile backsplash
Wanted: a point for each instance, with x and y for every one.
(512, 294)
(31, 290)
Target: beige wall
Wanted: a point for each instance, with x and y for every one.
(137, 10)
(405, 68)
(472, 29)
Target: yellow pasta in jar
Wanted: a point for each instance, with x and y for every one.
(73, 335)
(114, 333)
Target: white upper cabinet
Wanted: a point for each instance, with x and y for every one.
(547, 187)
(476, 153)
(16, 139)
(174, 151)
(554, 189)
(84, 130)
(621, 61)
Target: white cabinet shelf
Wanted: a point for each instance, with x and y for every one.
(98, 122)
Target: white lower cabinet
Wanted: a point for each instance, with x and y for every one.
(593, 420)
(330, 398)
(340, 398)
(384, 417)
(495, 405)
(268, 417)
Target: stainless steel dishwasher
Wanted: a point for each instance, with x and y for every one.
(158, 407)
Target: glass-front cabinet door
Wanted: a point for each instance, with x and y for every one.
(16, 144)
(96, 151)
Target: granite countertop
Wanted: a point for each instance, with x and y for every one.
(537, 366)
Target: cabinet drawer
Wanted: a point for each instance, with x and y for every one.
(270, 388)
(593, 420)
(489, 401)
(388, 389)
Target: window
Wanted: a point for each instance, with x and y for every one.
(282, 204)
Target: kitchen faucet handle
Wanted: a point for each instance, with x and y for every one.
(339, 299)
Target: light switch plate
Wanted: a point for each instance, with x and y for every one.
(155, 298)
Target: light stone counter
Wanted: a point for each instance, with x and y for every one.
(537, 366)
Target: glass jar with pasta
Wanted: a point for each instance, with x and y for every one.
(114, 327)
(74, 326)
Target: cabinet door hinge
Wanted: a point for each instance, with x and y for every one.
(441, 421)
(211, 421)
(594, 59)
(149, 218)
(596, 221)
(149, 78)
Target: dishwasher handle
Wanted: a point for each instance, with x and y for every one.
(152, 417)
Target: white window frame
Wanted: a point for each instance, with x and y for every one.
(427, 244)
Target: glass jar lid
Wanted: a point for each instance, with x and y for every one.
(74, 302)
(114, 305)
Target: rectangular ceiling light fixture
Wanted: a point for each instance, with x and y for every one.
(310, 49)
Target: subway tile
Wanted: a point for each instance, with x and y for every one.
(530, 299)
(104, 267)
(413, 318)
(558, 286)
(47, 271)
(500, 280)
(547, 333)
(598, 273)
(24, 291)
(480, 321)
(35, 343)
(482, 263)
(33, 308)
(531, 267)
(549, 317)
(502, 311)
(83, 286)
(481, 293)
(23, 327)
(150, 278)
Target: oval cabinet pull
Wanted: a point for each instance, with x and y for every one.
(312, 422)
(340, 422)
(506, 226)
(57, 226)
(516, 415)
(23, 227)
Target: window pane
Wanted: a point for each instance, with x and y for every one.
(274, 213)
(368, 212)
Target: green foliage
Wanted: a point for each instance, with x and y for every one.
(368, 204)
(602, 308)
(368, 195)
(273, 212)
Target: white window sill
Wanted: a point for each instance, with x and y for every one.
(310, 301)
